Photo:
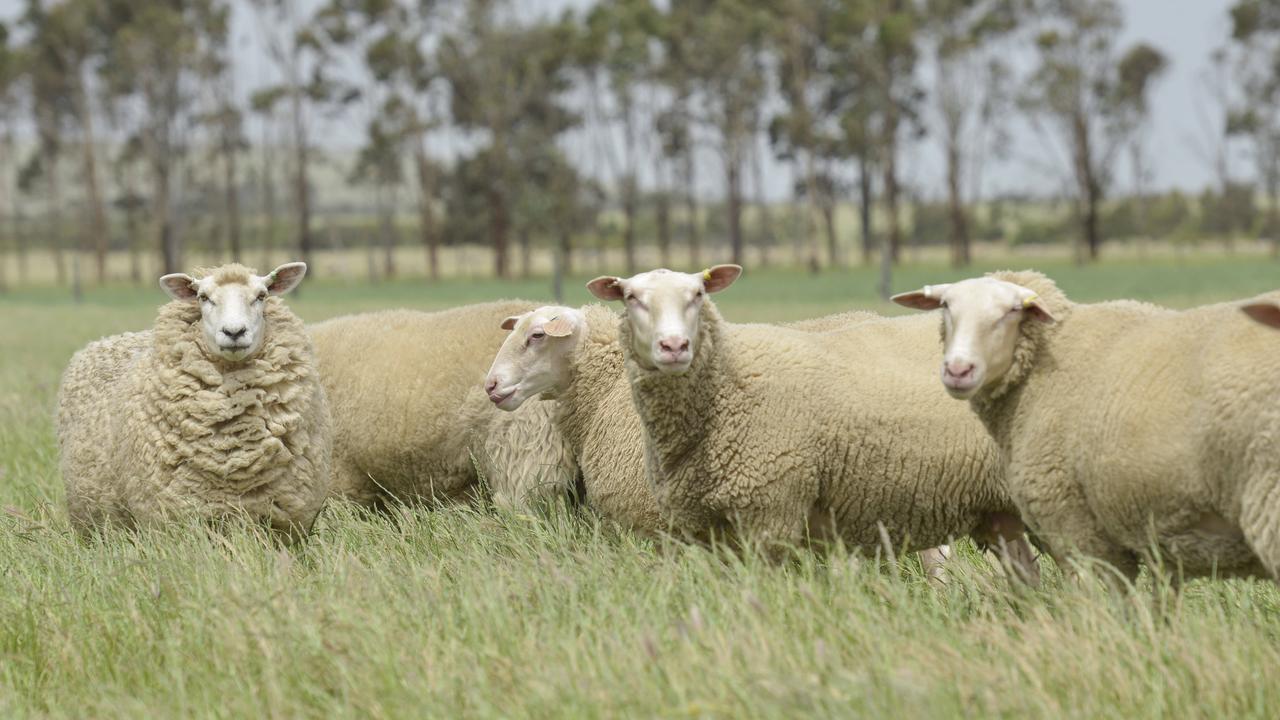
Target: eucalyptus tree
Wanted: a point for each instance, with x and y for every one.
(1254, 51)
(1076, 93)
(506, 80)
(618, 50)
(222, 115)
(970, 96)
(66, 46)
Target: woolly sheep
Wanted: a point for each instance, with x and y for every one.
(779, 435)
(572, 356)
(1125, 427)
(411, 422)
(215, 411)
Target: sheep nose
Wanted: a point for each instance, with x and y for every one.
(235, 333)
(673, 344)
(491, 385)
(959, 370)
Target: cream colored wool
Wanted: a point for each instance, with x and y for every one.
(153, 426)
(596, 417)
(783, 435)
(1126, 426)
(412, 423)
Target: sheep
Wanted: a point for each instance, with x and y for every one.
(777, 436)
(216, 411)
(572, 355)
(1130, 433)
(411, 423)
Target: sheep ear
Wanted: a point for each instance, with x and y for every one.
(179, 286)
(927, 298)
(510, 323)
(606, 287)
(1036, 309)
(286, 277)
(719, 277)
(559, 326)
(1264, 312)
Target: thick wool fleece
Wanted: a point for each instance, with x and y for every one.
(597, 418)
(779, 434)
(152, 426)
(1128, 427)
(412, 423)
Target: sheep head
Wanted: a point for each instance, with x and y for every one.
(535, 357)
(231, 300)
(664, 311)
(981, 322)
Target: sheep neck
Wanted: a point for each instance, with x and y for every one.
(677, 410)
(595, 364)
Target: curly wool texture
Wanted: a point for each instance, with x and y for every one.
(597, 419)
(1126, 426)
(412, 423)
(779, 435)
(152, 426)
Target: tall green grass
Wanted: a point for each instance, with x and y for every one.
(470, 612)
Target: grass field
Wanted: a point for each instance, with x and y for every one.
(467, 612)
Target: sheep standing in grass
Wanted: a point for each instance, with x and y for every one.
(411, 422)
(780, 435)
(216, 411)
(1126, 428)
(573, 356)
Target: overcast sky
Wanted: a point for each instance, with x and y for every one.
(1186, 30)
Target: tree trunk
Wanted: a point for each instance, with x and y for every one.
(893, 236)
(388, 220)
(691, 208)
(271, 224)
(498, 228)
(526, 253)
(663, 221)
(829, 224)
(169, 260)
(864, 210)
(55, 225)
(97, 221)
(302, 186)
(426, 212)
(231, 196)
(733, 173)
(629, 203)
(1088, 188)
(560, 258)
(955, 203)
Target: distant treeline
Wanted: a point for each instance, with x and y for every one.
(126, 124)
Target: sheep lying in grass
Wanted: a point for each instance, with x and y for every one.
(781, 435)
(216, 411)
(573, 356)
(1126, 428)
(411, 422)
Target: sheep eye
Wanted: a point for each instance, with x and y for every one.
(203, 298)
(537, 335)
(261, 297)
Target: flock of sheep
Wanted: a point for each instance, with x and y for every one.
(1119, 431)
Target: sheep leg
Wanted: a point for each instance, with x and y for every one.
(1005, 535)
(1260, 521)
(933, 561)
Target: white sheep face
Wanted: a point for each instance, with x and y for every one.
(981, 320)
(231, 305)
(664, 311)
(535, 357)
(1264, 311)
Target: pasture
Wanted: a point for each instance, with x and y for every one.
(470, 612)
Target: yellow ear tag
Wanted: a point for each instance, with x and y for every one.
(1030, 301)
(706, 275)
